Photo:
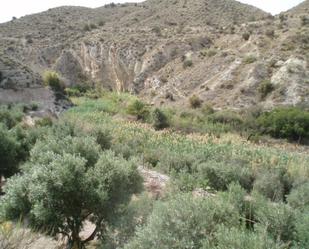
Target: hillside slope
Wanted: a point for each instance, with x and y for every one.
(221, 50)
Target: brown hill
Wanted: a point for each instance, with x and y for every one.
(225, 52)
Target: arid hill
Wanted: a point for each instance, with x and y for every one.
(226, 53)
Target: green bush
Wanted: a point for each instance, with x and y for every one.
(278, 219)
(235, 238)
(207, 109)
(246, 36)
(291, 123)
(138, 109)
(52, 80)
(184, 222)
(221, 174)
(265, 88)
(187, 63)
(299, 196)
(124, 224)
(10, 116)
(160, 120)
(226, 117)
(8, 153)
(249, 59)
(304, 20)
(270, 33)
(269, 185)
(103, 138)
(195, 102)
(301, 230)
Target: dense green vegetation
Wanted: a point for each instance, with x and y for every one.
(16, 141)
(84, 167)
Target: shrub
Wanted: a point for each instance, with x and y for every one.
(34, 106)
(221, 174)
(46, 121)
(304, 20)
(240, 238)
(101, 23)
(103, 138)
(10, 116)
(52, 80)
(125, 223)
(277, 218)
(270, 33)
(246, 36)
(160, 120)
(208, 109)
(183, 222)
(138, 109)
(187, 63)
(92, 26)
(249, 59)
(265, 88)
(8, 153)
(301, 230)
(299, 197)
(87, 27)
(195, 102)
(269, 185)
(226, 117)
(291, 123)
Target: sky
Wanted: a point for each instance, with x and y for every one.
(18, 8)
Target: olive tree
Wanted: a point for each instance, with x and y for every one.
(63, 186)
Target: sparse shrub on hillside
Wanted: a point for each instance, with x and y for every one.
(291, 123)
(249, 59)
(226, 117)
(246, 36)
(208, 52)
(157, 30)
(78, 90)
(86, 27)
(304, 20)
(160, 120)
(207, 109)
(265, 88)
(187, 63)
(270, 33)
(283, 17)
(138, 109)
(52, 79)
(93, 26)
(101, 23)
(195, 102)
